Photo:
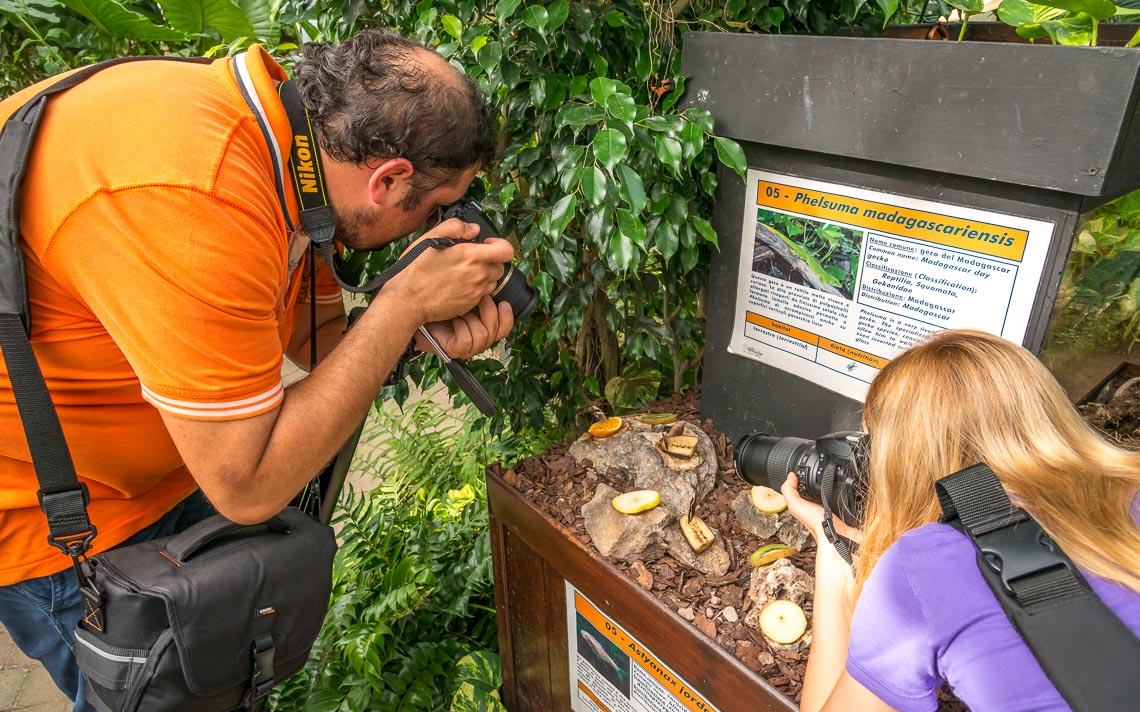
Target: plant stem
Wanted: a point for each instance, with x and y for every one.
(965, 22)
(1096, 26)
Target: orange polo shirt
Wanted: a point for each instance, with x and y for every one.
(161, 274)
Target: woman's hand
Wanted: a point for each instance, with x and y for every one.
(829, 565)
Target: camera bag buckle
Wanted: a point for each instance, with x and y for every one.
(262, 679)
(1018, 550)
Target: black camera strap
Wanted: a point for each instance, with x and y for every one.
(1088, 653)
(317, 218)
(841, 543)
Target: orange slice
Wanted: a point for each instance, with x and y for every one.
(605, 428)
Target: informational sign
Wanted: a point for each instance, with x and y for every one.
(835, 280)
(611, 671)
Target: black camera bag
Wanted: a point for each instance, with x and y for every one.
(208, 620)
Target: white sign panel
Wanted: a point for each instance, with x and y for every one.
(835, 281)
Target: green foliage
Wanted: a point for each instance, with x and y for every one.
(1068, 22)
(1098, 303)
(604, 186)
(412, 623)
(39, 38)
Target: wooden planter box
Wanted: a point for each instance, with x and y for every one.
(534, 559)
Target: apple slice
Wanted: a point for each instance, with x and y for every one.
(768, 500)
(636, 501)
(767, 554)
(783, 622)
(696, 532)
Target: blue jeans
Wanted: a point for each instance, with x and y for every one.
(41, 613)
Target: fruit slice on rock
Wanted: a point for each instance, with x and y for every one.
(605, 428)
(696, 532)
(658, 418)
(767, 554)
(636, 501)
(680, 445)
(768, 500)
(783, 622)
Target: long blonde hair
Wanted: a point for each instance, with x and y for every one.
(963, 397)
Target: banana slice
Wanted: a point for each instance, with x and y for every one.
(680, 445)
(696, 532)
(783, 622)
(636, 501)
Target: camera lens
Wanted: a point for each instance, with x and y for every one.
(766, 460)
(514, 290)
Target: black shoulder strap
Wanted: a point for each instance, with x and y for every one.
(1086, 651)
(63, 499)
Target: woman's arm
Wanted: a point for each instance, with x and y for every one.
(827, 686)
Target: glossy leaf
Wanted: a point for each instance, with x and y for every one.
(536, 16)
(1016, 12)
(577, 115)
(692, 141)
(196, 16)
(601, 88)
(489, 56)
(557, 12)
(452, 26)
(594, 186)
(621, 106)
(630, 226)
(669, 152)
(505, 9)
(732, 155)
(631, 189)
(705, 228)
(621, 250)
(609, 147)
(113, 20)
(1096, 9)
(562, 214)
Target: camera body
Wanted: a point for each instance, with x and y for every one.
(512, 286)
(832, 468)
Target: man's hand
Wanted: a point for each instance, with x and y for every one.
(444, 284)
(471, 333)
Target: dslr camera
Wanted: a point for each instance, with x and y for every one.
(831, 470)
(512, 286)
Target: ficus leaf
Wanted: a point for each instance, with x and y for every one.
(631, 189)
(601, 88)
(630, 226)
(505, 9)
(594, 186)
(609, 147)
(732, 155)
(537, 17)
(578, 115)
(452, 26)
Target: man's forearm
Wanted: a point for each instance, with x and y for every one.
(252, 468)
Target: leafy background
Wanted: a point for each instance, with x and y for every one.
(606, 188)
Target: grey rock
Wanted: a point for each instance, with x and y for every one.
(756, 522)
(632, 456)
(626, 537)
(713, 561)
(791, 532)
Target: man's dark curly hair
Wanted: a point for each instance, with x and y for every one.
(378, 95)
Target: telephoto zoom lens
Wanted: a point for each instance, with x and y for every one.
(512, 287)
(766, 460)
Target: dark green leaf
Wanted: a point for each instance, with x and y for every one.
(631, 189)
(889, 8)
(535, 16)
(561, 264)
(576, 116)
(601, 88)
(621, 106)
(489, 56)
(505, 9)
(609, 147)
(621, 250)
(706, 229)
(658, 123)
(577, 86)
(594, 186)
(667, 238)
(669, 152)
(630, 226)
(558, 12)
(732, 155)
(562, 214)
(260, 16)
(692, 141)
(569, 157)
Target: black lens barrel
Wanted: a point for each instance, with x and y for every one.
(512, 287)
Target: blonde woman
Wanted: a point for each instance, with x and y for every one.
(917, 611)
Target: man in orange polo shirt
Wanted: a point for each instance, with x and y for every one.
(166, 281)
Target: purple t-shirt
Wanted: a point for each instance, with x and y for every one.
(926, 615)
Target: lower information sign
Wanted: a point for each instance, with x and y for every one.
(611, 671)
(834, 280)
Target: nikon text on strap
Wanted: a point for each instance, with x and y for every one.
(1085, 650)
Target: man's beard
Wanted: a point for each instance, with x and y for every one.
(353, 226)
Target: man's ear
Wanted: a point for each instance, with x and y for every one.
(389, 181)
